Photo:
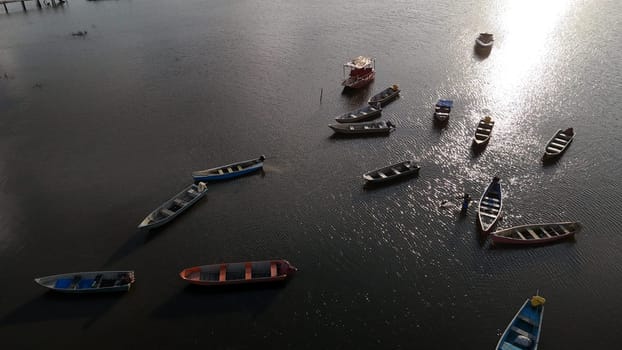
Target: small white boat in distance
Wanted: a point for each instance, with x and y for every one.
(89, 282)
(174, 206)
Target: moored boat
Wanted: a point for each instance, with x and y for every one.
(392, 172)
(174, 206)
(385, 96)
(368, 128)
(523, 332)
(362, 72)
(89, 282)
(483, 131)
(442, 110)
(535, 234)
(558, 143)
(361, 114)
(490, 206)
(484, 41)
(239, 273)
(229, 171)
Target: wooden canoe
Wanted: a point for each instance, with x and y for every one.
(89, 282)
(558, 143)
(536, 234)
(239, 273)
(392, 172)
(442, 110)
(385, 96)
(523, 332)
(367, 128)
(490, 206)
(483, 131)
(174, 206)
(229, 171)
(361, 114)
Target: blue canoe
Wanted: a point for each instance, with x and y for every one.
(523, 332)
(490, 206)
(229, 171)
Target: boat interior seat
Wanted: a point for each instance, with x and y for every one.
(229, 169)
(509, 346)
(522, 332)
(528, 320)
(179, 202)
(86, 283)
(220, 171)
(167, 212)
(273, 269)
(240, 167)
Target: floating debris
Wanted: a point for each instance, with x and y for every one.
(79, 33)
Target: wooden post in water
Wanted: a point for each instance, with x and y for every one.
(321, 92)
(5, 9)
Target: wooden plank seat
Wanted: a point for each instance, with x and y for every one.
(522, 332)
(273, 269)
(179, 202)
(248, 271)
(532, 233)
(520, 235)
(222, 276)
(528, 320)
(167, 212)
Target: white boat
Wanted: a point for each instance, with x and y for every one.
(174, 206)
(558, 143)
(535, 234)
(490, 206)
(89, 282)
(483, 131)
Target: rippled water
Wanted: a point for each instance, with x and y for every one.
(97, 131)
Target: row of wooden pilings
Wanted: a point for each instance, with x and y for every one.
(53, 2)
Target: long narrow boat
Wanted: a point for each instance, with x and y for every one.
(536, 234)
(380, 127)
(523, 332)
(385, 96)
(361, 114)
(442, 110)
(483, 131)
(174, 206)
(490, 206)
(558, 143)
(239, 273)
(229, 171)
(392, 172)
(89, 282)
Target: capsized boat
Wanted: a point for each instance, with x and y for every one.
(558, 143)
(490, 206)
(536, 234)
(484, 41)
(361, 114)
(174, 206)
(442, 110)
(239, 273)
(392, 172)
(89, 282)
(229, 171)
(523, 332)
(362, 72)
(385, 96)
(483, 131)
(367, 128)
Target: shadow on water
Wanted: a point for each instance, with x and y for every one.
(477, 150)
(195, 300)
(59, 306)
(336, 136)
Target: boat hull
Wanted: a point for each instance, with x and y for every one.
(362, 114)
(490, 206)
(229, 171)
(536, 234)
(385, 96)
(392, 172)
(558, 144)
(523, 332)
(372, 128)
(359, 82)
(227, 274)
(163, 214)
(88, 282)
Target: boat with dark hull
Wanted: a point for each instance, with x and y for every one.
(483, 132)
(523, 332)
(385, 96)
(367, 128)
(442, 110)
(392, 172)
(239, 273)
(89, 282)
(229, 171)
(174, 206)
(558, 144)
(362, 114)
(484, 41)
(490, 206)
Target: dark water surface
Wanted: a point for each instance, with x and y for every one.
(95, 132)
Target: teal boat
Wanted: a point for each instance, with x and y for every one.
(523, 332)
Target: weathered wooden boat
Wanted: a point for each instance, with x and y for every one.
(484, 41)
(174, 206)
(385, 96)
(89, 282)
(239, 273)
(392, 172)
(536, 234)
(442, 110)
(490, 206)
(483, 131)
(523, 332)
(361, 114)
(229, 171)
(558, 143)
(380, 127)
(362, 72)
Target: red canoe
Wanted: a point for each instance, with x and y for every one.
(239, 273)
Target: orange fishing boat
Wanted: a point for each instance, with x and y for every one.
(239, 273)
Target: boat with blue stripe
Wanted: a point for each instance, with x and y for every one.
(89, 282)
(229, 171)
(523, 332)
(490, 206)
